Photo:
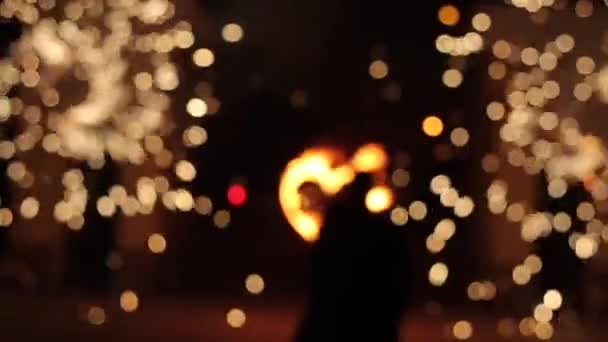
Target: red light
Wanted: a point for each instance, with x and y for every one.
(237, 195)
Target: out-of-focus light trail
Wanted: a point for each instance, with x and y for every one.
(327, 168)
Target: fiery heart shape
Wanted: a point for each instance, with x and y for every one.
(330, 170)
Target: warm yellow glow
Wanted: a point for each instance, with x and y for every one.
(521, 275)
(482, 22)
(585, 211)
(129, 301)
(452, 78)
(495, 111)
(544, 331)
(438, 274)
(184, 200)
(236, 318)
(583, 92)
(432, 126)
(232, 33)
(106, 206)
(565, 43)
(157, 243)
(459, 137)
(62, 211)
(548, 61)
(501, 49)
(326, 168)
(369, 158)
(448, 15)
(5, 108)
(194, 136)
(445, 229)
(533, 263)
(313, 165)
(16, 171)
(440, 184)
(379, 199)
(527, 326)
(585, 65)
(586, 247)
(529, 56)
(464, 206)
(553, 300)
(143, 81)
(378, 69)
(29, 207)
(399, 216)
(185, 170)
(542, 313)
(118, 194)
(197, 107)
(76, 222)
(462, 330)
(203, 58)
(6, 217)
(254, 284)
(418, 210)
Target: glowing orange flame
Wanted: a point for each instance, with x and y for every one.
(322, 166)
(379, 199)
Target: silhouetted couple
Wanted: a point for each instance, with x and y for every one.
(359, 273)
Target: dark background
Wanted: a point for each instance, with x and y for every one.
(321, 48)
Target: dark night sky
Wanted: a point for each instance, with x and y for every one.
(323, 48)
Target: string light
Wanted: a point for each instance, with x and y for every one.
(448, 15)
(232, 33)
(203, 58)
(157, 243)
(432, 126)
(378, 199)
(438, 274)
(129, 301)
(236, 318)
(254, 284)
(378, 69)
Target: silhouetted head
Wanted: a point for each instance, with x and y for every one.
(313, 197)
(353, 195)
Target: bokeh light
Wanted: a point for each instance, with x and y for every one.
(232, 33)
(448, 15)
(129, 301)
(255, 284)
(236, 318)
(432, 126)
(157, 243)
(237, 195)
(438, 274)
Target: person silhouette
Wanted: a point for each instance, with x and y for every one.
(359, 273)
